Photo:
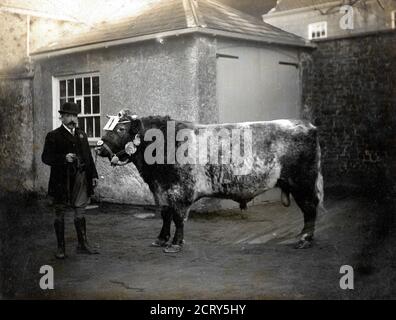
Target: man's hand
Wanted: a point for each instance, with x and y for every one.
(70, 157)
(95, 182)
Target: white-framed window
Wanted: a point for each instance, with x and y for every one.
(83, 89)
(393, 15)
(317, 30)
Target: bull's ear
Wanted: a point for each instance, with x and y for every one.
(125, 113)
(136, 125)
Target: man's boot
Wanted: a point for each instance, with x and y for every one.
(83, 246)
(59, 226)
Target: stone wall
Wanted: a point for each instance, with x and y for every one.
(16, 127)
(18, 36)
(349, 92)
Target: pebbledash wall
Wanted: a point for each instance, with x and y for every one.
(349, 92)
(148, 78)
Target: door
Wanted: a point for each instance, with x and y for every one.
(255, 84)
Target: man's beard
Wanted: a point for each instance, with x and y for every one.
(71, 124)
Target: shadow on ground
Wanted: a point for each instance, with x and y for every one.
(227, 255)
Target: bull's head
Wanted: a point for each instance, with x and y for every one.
(121, 139)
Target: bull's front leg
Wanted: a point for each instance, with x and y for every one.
(164, 236)
(178, 238)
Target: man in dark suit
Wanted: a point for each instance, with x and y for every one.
(73, 176)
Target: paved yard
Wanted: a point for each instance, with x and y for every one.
(227, 255)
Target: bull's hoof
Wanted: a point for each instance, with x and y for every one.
(174, 248)
(305, 241)
(86, 250)
(159, 243)
(303, 244)
(60, 255)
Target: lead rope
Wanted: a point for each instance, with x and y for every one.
(95, 161)
(123, 163)
(112, 155)
(96, 158)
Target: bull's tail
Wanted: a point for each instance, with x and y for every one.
(319, 179)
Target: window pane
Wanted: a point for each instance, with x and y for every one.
(97, 127)
(81, 124)
(95, 104)
(70, 87)
(62, 87)
(87, 85)
(79, 104)
(62, 101)
(78, 87)
(70, 99)
(89, 127)
(95, 85)
(87, 105)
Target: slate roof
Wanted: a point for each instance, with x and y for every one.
(217, 16)
(207, 16)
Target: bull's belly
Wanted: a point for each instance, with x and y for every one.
(245, 195)
(245, 191)
(224, 183)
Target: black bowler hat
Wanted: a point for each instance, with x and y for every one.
(70, 107)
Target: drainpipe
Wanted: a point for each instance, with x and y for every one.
(28, 38)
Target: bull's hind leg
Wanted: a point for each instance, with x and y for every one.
(164, 236)
(308, 203)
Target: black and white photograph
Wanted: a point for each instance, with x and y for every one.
(197, 150)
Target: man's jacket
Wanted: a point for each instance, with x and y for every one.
(58, 143)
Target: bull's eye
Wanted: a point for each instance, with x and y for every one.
(121, 130)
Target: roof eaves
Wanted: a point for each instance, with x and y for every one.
(242, 36)
(49, 53)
